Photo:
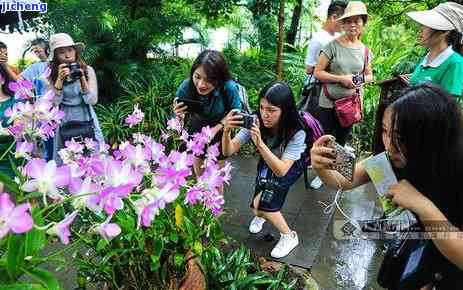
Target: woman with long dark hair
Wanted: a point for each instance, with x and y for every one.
(422, 133)
(279, 136)
(76, 89)
(211, 86)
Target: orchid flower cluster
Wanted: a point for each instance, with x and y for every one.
(33, 118)
(139, 174)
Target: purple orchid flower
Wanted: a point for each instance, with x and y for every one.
(61, 229)
(46, 177)
(23, 149)
(118, 173)
(16, 219)
(22, 89)
(108, 230)
(138, 155)
(85, 192)
(135, 118)
(194, 195)
(111, 197)
(174, 124)
(74, 147)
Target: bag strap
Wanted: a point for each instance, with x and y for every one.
(365, 62)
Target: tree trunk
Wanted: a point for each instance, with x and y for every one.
(292, 33)
(281, 40)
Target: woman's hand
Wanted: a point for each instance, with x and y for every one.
(347, 81)
(322, 156)
(405, 78)
(232, 120)
(255, 134)
(63, 71)
(407, 196)
(179, 109)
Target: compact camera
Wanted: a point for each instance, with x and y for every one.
(75, 72)
(358, 79)
(248, 119)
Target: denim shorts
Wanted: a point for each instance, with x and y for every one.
(274, 202)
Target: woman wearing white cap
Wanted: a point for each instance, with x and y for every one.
(344, 67)
(76, 90)
(441, 33)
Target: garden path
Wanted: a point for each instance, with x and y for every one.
(335, 264)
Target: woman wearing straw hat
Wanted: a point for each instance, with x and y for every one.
(344, 67)
(76, 90)
(441, 33)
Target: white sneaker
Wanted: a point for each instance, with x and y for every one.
(316, 183)
(285, 245)
(256, 225)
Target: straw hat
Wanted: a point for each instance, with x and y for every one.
(445, 16)
(354, 8)
(63, 40)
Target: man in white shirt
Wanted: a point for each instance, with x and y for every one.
(330, 31)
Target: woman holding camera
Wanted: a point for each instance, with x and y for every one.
(211, 93)
(76, 90)
(279, 136)
(428, 169)
(344, 67)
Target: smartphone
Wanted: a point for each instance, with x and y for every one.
(345, 160)
(192, 105)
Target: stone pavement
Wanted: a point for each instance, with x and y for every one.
(335, 264)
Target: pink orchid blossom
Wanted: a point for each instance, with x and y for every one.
(138, 156)
(135, 118)
(61, 229)
(108, 230)
(23, 149)
(110, 199)
(14, 218)
(22, 89)
(46, 177)
(74, 146)
(174, 124)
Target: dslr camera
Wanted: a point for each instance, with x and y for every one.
(75, 72)
(270, 187)
(248, 119)
(358, 79)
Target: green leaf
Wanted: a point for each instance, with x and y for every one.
(179, 260)
(15, 255)
(9, 183)
(30, 195)
(22, 286)
(35, 239)
(101, 245)
(45, 278)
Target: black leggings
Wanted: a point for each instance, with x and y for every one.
(330, 123)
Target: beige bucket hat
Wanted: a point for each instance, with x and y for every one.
(63, 40)
(445, 16)
(354, 8)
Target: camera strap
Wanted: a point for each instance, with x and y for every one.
(335, 204)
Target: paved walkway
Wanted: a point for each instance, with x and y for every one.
(334, 263)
